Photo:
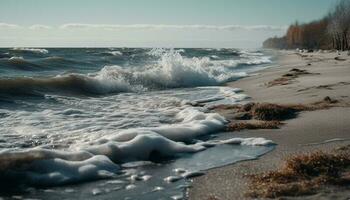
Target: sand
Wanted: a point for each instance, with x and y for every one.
(310, 131)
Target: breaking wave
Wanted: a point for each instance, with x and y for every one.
(171, 71)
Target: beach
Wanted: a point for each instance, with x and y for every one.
(325, 129)
(92, 123)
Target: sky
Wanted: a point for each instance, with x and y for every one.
(151, 23)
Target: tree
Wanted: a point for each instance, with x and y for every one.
(339, 25)
(333, 31)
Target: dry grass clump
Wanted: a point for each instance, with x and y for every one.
(275, 112)
(269, 115)
(238, 126)
(278, 112)
(302, 175)
(270, 112)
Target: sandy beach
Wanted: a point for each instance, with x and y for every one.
(327, 75)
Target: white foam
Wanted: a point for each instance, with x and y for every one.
(141, 147)
(157, 188)
(233, 93)
(94, 161)
(50, 167)
(112, 79)
(171, 179)
(14, 58)
(130, 187)
(194, 123)
(248, 141)
(58, 171)
(34, 50)
(174, 70)
(116, 53)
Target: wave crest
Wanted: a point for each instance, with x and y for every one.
(169, 70)
(33, 50)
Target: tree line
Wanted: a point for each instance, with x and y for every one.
(331, 32)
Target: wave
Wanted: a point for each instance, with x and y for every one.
(72, 83)
(19, 63)
(5, 55)
(170, 71)
(33, 50)
(54, 62)
(59, 62)
(104, 158)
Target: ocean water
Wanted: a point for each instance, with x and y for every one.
(118, 122)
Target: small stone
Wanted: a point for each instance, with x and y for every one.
(327, 98)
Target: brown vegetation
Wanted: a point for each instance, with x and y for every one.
(328, 86)
(288, 77)
(272, 112)
(280, 81)
(268, 115)
(303, 175)
(238, 126)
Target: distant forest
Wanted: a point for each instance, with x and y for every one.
(331, 32)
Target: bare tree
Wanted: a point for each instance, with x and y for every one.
(339, 26)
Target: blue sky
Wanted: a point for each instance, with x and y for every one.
(199, 23)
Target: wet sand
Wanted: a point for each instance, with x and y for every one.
(309, 131)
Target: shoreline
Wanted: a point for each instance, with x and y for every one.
(326, 76)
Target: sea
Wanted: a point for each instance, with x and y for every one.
(119, 123)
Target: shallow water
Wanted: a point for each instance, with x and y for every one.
(75, 116)
(155, 187)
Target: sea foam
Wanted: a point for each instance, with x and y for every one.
(101, 160)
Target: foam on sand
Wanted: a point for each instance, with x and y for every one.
(101, 160)
(194, 123)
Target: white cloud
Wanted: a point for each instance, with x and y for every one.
(163, 27)
(74, 26)
(8, 26)
(39, 27)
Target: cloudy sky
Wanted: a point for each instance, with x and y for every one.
(151, 23)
